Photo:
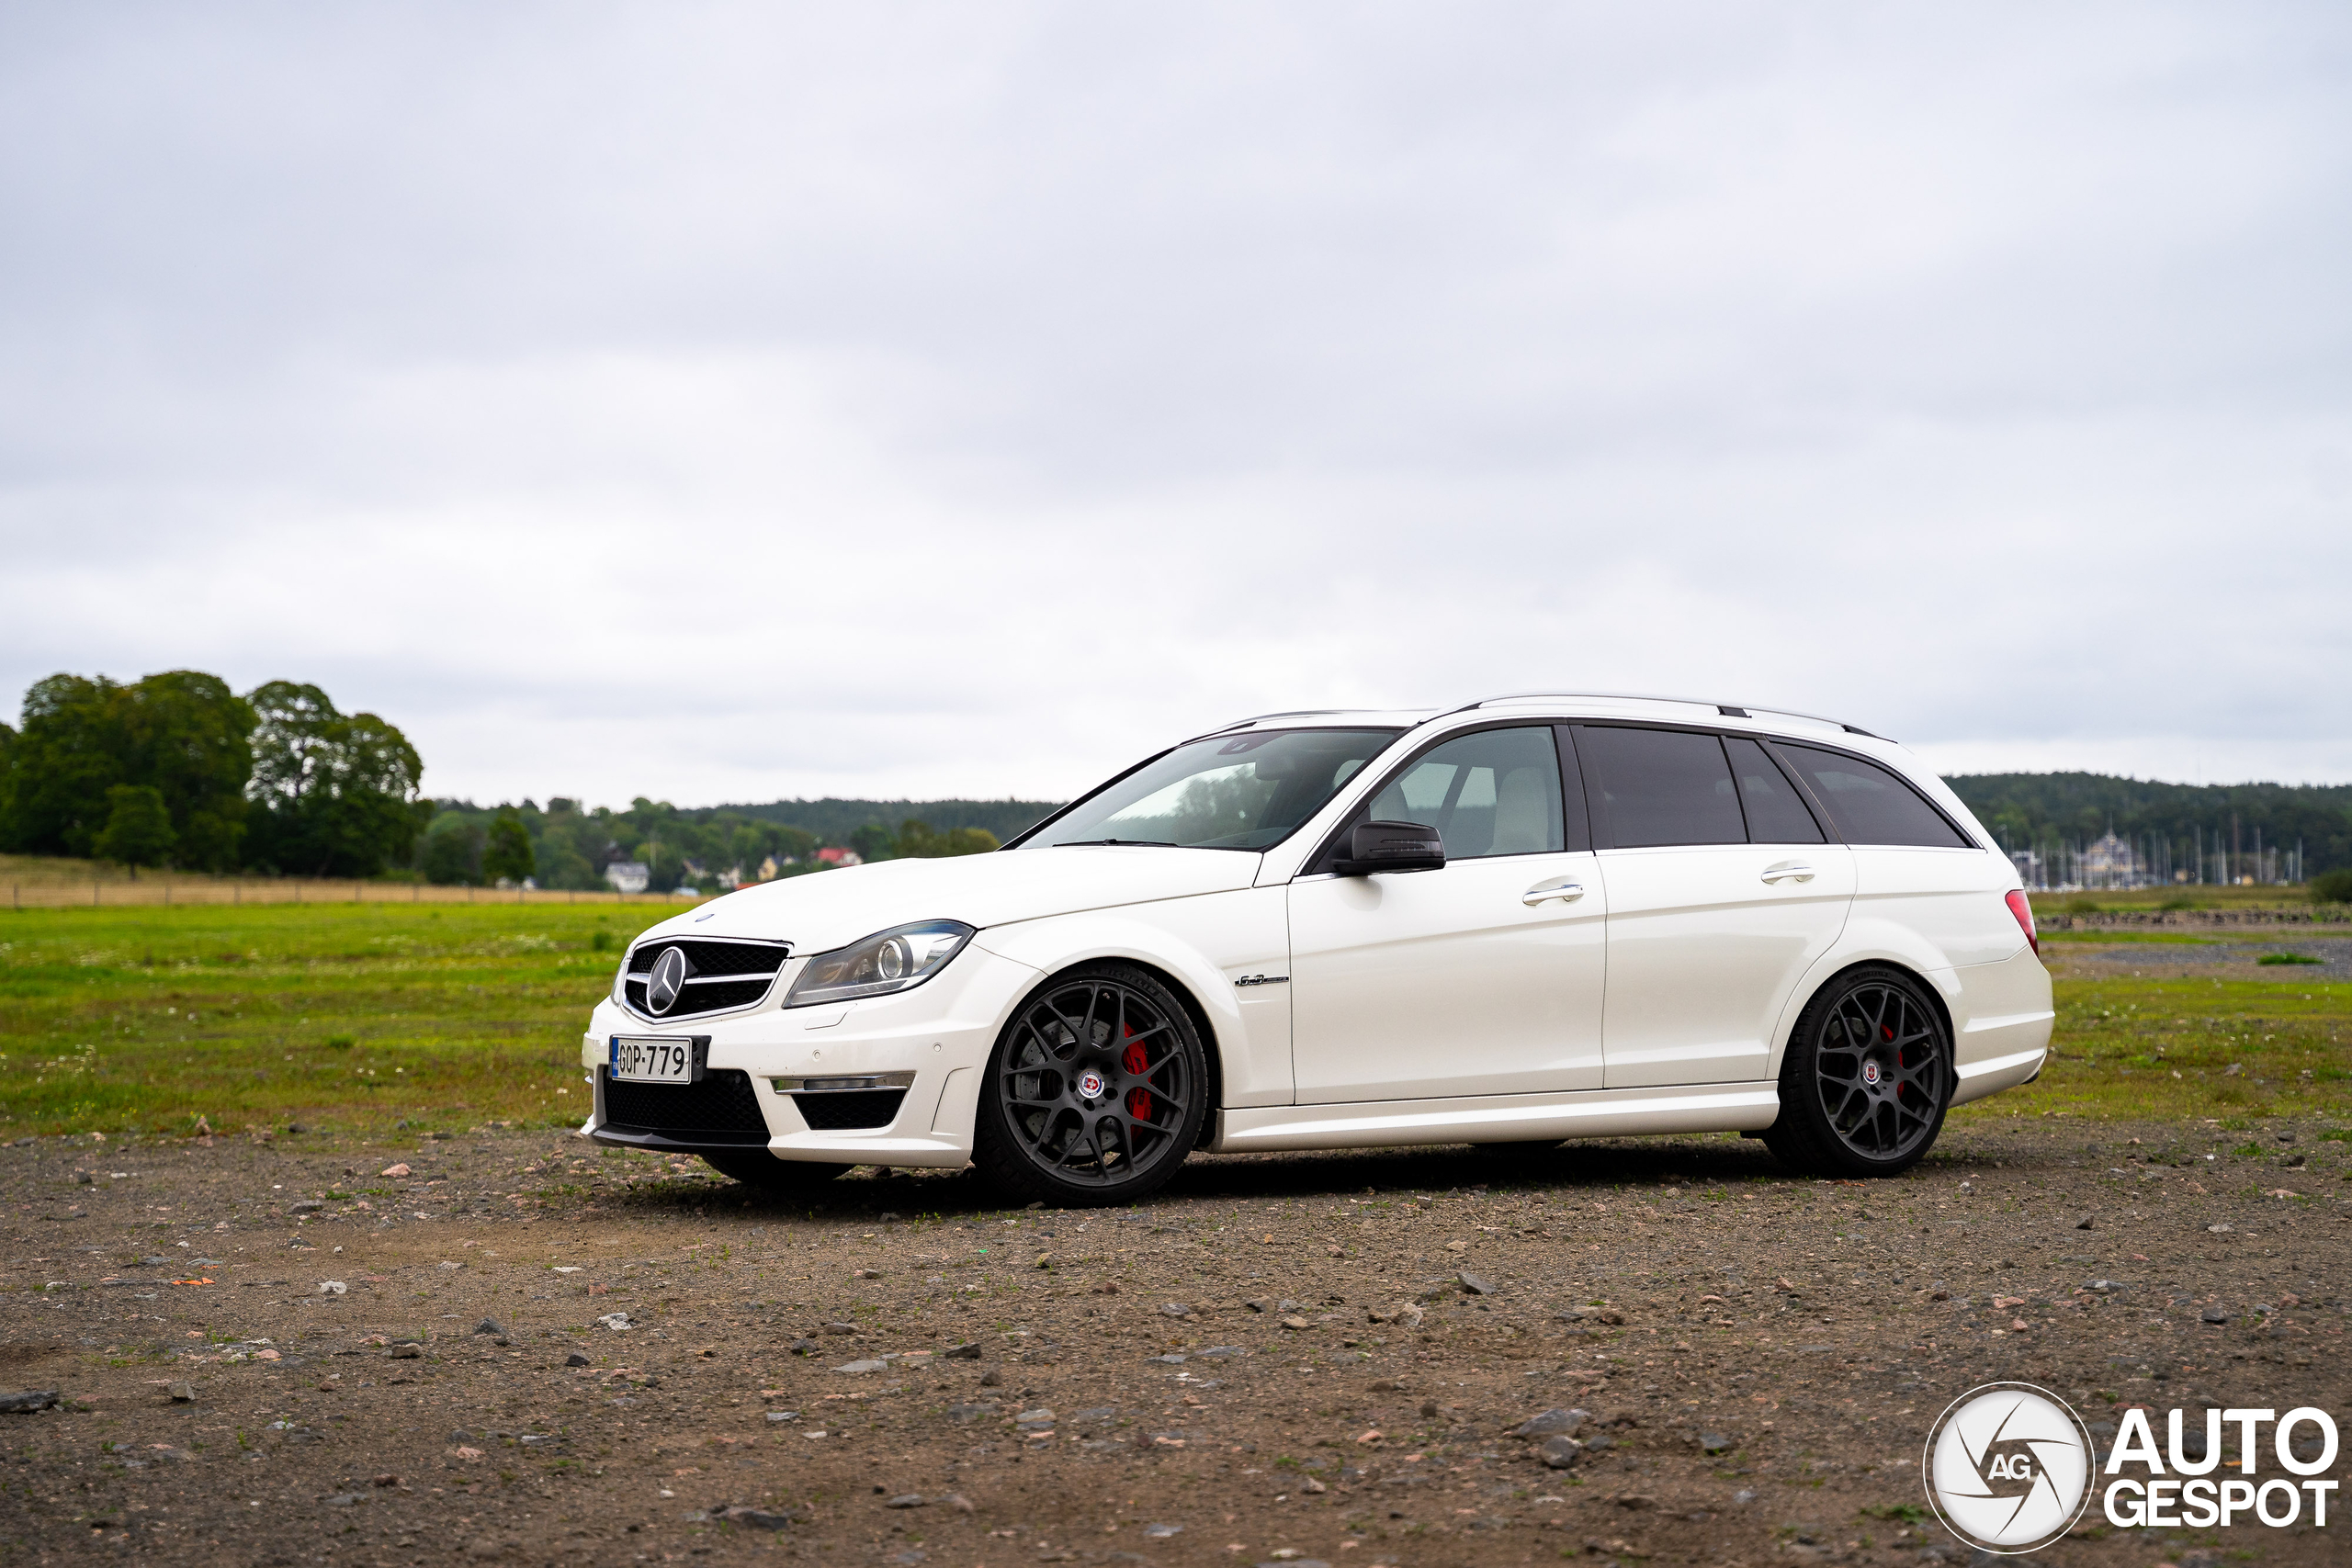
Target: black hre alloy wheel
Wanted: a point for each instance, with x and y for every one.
(1867, 1076)
(1095, 1092)
(757, 1168)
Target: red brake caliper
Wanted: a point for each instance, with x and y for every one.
(1135, 1062)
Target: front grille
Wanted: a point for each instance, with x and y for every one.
(843, 1113)
(721, 975)
(722, 1109)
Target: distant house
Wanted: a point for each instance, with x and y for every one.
(628, 876)
(2110, 862)
(830, 856)
(775, 866)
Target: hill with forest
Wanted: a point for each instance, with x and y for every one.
(2186, 825)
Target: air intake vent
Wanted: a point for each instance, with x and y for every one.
(722, 1109)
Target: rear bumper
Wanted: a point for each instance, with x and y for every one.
(2005, 1016)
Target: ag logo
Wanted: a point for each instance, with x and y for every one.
(2007, 1467)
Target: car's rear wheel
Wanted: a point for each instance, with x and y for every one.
(1867, 1078)
(1095, 1092)
(757, 1168)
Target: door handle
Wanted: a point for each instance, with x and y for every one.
(1566, 889)
(1789, 871)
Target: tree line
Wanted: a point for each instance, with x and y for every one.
(565, 844)
(177, 768)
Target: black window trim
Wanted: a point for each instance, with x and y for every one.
(1319, 863)
(1834, 832)
(1051, 817)
(1822, 822)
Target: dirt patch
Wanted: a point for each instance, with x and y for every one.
(534, 1356)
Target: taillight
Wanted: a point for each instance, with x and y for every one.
(2024, 912)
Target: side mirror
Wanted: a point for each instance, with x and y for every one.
(1391, 846)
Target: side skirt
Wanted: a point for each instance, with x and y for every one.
(1503, 1118)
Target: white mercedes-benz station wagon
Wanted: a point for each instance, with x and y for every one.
(1525, 921)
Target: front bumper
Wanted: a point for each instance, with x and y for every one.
(932, 1041)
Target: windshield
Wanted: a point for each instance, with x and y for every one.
(1242, 791)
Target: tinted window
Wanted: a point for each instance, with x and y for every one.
(1870, 804)
(1775, 815)
(1662, 786)
(1496, 792)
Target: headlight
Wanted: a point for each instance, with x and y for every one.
(894, 960)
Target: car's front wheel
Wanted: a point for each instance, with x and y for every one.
(1095, 1092)
(1867, 1078)
(757, 1168)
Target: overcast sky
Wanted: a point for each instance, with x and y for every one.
(722, 402)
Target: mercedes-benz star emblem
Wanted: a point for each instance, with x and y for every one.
(1090, 1085)
(667, 981)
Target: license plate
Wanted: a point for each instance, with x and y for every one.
(654, 1060)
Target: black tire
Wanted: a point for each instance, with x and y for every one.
(757, 1168)
(1095, 1092)
(1867, 1078)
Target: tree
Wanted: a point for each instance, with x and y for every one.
(139, 827)
(189, 736)
(182, 732)
(2332, 887)
(874, 842)
(336, 792)
(506, 857)
(453, 852)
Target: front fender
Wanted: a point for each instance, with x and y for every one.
(1204, 945)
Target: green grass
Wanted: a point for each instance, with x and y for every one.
(342, 1017)
(350, 1017)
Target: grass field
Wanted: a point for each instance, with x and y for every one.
(341, 1016)
(348, 1017)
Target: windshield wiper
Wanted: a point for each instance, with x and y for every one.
(1120, 843)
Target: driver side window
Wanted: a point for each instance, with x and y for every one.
(1496, 792)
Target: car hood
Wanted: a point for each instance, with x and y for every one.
(832, 909)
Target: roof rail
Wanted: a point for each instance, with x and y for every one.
(1728, 710)
(1255, 718)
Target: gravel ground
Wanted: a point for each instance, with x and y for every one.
(2226, 960)
(1282, 1359)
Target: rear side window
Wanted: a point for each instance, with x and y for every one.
(1869, 804)
(1662, 786)
(1775, 814)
